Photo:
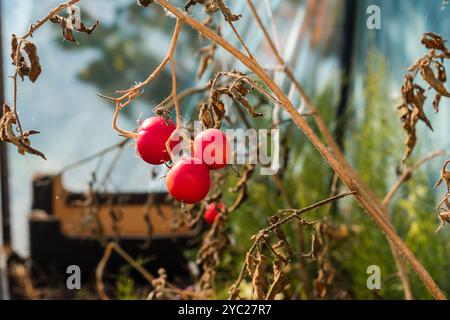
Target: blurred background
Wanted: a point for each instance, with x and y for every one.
(352, 73)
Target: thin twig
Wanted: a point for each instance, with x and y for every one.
(408, 172)
(241, 40)
(130, 94)
(100, 153)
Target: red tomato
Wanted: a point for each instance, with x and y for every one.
(188, 180)
(153, 134)
(213, 148)
(212, 212)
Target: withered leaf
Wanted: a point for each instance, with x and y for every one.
(445, 176)
(35, 66)
(444, 217)
(259, 278)
(88, 30)
(18, 60)
(14, 51)
(432, 40)
(281, 235)
(441, 75)
(238, 97)
(279, 280)
(436, 102)
(68, 27)
(419, 101)
(316, 245)
(218, 108)
(205, 116)
(229, 16)
(215, 241)
(429, 77)
(412, 108)
(7, 123)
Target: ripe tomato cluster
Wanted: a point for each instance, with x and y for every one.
(188, 180)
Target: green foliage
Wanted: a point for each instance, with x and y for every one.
(432, 249)
(125, 288)
(373, 144)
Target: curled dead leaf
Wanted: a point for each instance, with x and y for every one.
(432, 40)
(8, 122)
(35, 66)
(259, 278)
(430, 78)
(72, 23)
(413, 104)
(31, 68)
(280, 281)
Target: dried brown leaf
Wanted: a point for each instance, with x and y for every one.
(68, 26)
(229, 16)
(441, 74)
(280, 281)
(205, 116)
(429, 77)
(259, 277)
(238, 97)
(444, 217)
(432, 40)
(412, 108)
(35, 66)
(444, 176)
(436, 102)
(23, 144)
